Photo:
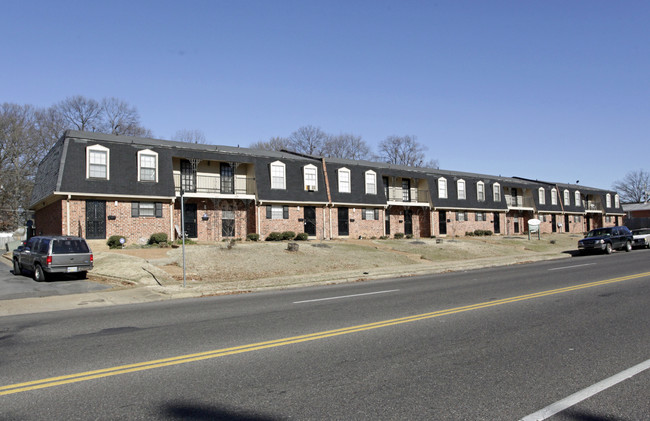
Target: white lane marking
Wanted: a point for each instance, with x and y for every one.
(569, 401)
(345, 296)
(574, 266)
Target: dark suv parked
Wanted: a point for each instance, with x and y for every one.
(606, 240)
(44, 255)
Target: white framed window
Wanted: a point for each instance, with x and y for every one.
(278, 175)
(496, 192)
(370, 214)
(461, 216)
(542, 196)
(442, 188)
(371, 182)
(98, 162)
(277, 212)
(480, 191)
(608, 200)
(146, 209)
(576, 197)
(310, 176)
(553, 196)
(344, 180)
(480, 216)
(617, 203)
(462, 195)
(567, 198)
(147, 165)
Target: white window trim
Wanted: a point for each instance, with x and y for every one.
(577, 198)
(617, 203)
(554, 196)
(442, 193)
(496, 192)
(98, 148)
(347, 171)
(155, 155)
(279, 164)
(608, 200)
(567, 197)
(541, 195)
(374, 177)
(304, 176)
(480, 187)
(462, 196)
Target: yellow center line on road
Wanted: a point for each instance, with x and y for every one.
(183, 359)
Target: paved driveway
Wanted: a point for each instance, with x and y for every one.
(13, 287)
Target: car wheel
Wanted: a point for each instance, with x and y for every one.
(628, 246)
(608, 248)
(39, 274)
(17, 269)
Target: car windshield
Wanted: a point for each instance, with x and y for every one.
(69, 246)
(600, 233)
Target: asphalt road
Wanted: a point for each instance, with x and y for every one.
(495, 344)
(24, 286)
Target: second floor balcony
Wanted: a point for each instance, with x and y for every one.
(402, 195)
(214, 184)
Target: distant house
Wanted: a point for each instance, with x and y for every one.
(97, 185)
(637, 215)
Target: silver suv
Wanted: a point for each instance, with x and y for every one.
(46, 255)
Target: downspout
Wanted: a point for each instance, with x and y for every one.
(560, 199)
(67, 214)
(171, 220)
(257, 216)
(329, 199)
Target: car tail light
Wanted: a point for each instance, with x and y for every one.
(91, 257)
(48, 260)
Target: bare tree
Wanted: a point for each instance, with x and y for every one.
(633, 187)
(80, 113)
(273, 144)
(120, 118)
(405, 150)
(308, 140)
(346, 146)
(190, 136)
(20, 152)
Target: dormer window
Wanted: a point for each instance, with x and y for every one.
(567, 198)
(344, 180)
(278, 175)
(576, 197)
(496, 192)
(310, 177)
(480, 191)
(554, 197)
(541, 196)
(442, 188)
(608, 200)
(461, 189)
(147, 165)
(98, 162)
(371, 182)
(617, 203)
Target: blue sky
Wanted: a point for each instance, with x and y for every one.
(549, 90)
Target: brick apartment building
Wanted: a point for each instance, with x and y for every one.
(97, 185)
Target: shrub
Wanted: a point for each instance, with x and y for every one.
(469, 233)
(303, 236)
(114, 242)
(274, 236)
(383, 237)
(288, 235)
(398, 235)
(157, 238)
(409, 236)
(480, 233)
(253, 237)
